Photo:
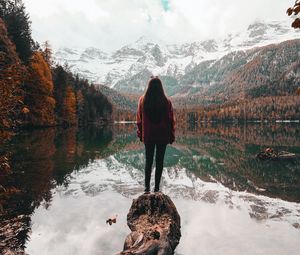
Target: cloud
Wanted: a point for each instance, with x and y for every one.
(109, 24)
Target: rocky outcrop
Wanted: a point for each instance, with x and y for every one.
(271, 154)
(155, 225)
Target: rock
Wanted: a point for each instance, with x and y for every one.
(155, 225)
(270, 153)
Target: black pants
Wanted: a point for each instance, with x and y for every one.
(159, 160)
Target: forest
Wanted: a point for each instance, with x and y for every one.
(34, 91)
(269, 108)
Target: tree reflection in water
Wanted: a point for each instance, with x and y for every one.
(41, 160)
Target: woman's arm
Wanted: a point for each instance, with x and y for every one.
(172, 122)
(139, 119)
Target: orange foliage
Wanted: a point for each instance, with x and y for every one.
(11, 78)
(11, 98)
(39, 92)
(69, 107)
(42, 72)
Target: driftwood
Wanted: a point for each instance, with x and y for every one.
(269, 153)
(155, 225)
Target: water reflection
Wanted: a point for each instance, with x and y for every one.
(227, 154)
(67, 181)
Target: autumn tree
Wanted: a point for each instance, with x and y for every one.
(32, 90)
(69, 107)
(90, 104)
(39, 92)
(11, 79)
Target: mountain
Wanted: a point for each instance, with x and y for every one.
(271, 70)
(184, 68)
(119, 100)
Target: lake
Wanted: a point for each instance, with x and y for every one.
(66, 182)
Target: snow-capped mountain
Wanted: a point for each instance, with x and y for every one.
(128, 68)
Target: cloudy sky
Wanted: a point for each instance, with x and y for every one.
(109, 24)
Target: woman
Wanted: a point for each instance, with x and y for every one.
(156, 128)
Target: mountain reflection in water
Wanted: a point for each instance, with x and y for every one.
(69, 181)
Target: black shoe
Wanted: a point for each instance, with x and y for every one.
(147, 191)
(156, 190)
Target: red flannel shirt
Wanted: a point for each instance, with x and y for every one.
(160, 133)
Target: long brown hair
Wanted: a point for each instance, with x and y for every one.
(155, 100)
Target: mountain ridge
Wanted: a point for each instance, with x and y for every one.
(128, 68)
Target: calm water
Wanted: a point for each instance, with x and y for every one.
(69, 182)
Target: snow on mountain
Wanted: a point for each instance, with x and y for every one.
(128, 68)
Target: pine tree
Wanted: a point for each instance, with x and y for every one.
(47, 52)
(18, 26)
(60, 79)
(80, 107)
